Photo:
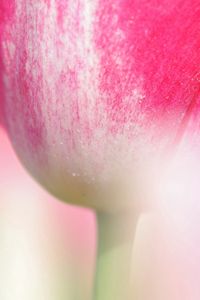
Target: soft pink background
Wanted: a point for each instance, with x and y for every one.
(47, 248)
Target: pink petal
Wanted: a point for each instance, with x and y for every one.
(94, 90)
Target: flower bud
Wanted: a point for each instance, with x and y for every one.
(95, 91)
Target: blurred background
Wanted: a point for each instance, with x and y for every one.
(47, 248)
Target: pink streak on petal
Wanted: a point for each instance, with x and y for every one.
(93, 87)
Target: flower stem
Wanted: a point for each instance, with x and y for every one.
(116, 236)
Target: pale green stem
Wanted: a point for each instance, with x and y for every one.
(115, 244)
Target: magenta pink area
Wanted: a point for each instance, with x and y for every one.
(25, 112)
(62, 7)
(147, 77)
(7, 9)
(155, 44)
(1, 90)
(148, 73)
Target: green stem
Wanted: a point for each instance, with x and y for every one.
(116, 237)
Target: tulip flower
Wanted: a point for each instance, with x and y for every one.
(94, 93)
